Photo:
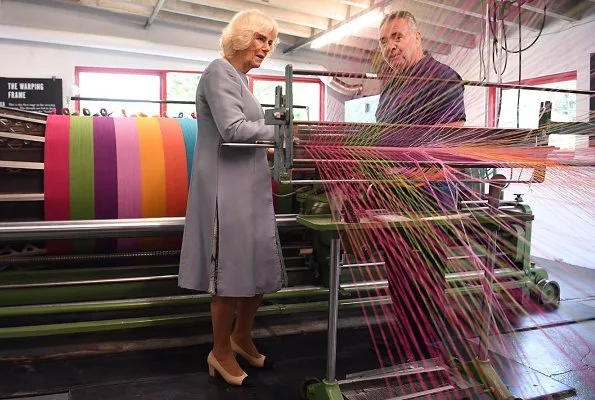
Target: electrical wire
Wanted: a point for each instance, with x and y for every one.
(538, 34)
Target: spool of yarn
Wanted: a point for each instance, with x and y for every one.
(114, 168)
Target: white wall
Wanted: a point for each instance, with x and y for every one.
(563, 47)
(43, 41)
(564, 205)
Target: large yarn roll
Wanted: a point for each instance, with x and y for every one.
(109, 168)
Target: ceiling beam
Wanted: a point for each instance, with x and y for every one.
(425, 13)
(344, 52)
(366, 43)
(442, 34)
(377, 6)
(474, 9)
(156, 10)
(428, 43)
(142, 8)
(206, 25)
(565, 10)
(311, 20)
(323, 8)
(218, 14)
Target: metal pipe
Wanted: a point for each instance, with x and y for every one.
(170, 319)
(156, 10)
(333, 309)
(475, 275)
(265, 145)
(495, 191)
(392, 373)
(135, 279)
(31, 138)
(367, 75)
(162, 301)
(80, 258)
(371, 264)
(187, 102)
(23, 119)
(21, 165)
(381, 284)
(112, 228)
(22, 197)
(478, 289)
(379, 181)
(487, 57)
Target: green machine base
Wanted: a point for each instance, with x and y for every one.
(314, 389)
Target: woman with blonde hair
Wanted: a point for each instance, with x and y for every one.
(231, 244)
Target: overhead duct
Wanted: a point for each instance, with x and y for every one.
(345, 88)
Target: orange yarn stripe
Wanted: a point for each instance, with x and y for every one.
(152, 167)
(176, 173)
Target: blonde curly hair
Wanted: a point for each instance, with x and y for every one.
(240, 31)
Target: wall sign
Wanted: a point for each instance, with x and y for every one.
(31, 94)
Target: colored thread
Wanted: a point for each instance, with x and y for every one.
(56, 174)
(152, 166)
(190, 131)
(82, 185)
(176, 175)
(106, 171)
(129, 184)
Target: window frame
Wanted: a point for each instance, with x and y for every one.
(163, 81)
(539, 80)
(275, 78)
(162, 74)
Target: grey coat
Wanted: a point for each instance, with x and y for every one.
(232, 186)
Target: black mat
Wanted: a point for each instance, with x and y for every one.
(283, 383)
(299, 356)
(181, 374)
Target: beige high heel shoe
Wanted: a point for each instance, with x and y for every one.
(258, 362)
(215, 368)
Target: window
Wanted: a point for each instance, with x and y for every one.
(119, 84)
(563, 104)
(307, 96)
(181, 86)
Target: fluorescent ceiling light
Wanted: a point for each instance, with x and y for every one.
(368, 19)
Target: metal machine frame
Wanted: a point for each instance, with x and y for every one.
(532, 279)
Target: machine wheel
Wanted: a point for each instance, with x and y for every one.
(304, 386)
(549, 293)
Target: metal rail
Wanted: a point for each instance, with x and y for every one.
(107, 228)
(171, 319)
(367, 75)
(22, 119)
(31, 138)
(164, 301)
(21, 165)
(22, 197)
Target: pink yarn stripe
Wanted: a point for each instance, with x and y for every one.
(129, 184)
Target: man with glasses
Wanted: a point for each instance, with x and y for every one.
(404, 100)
